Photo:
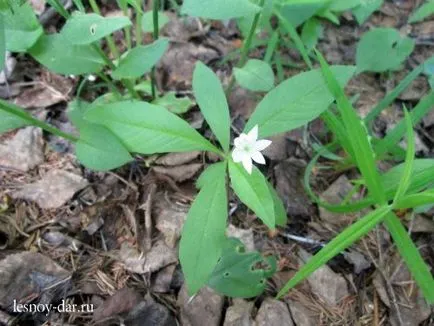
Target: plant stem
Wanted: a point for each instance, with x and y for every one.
(35, 122)
(111, 85)
(113, 49)
(139, 23)
(155, 7)
(246, 47)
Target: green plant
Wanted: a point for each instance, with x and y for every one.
(132, 118)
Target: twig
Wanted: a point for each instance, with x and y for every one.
(147, 242)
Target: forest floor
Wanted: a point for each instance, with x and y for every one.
(84, 231)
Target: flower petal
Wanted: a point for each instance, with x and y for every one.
(238, 155)
(262, 144)
(248, 164)
(258, 157)
(253, 134)
(241, 141)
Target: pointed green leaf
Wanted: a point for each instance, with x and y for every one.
(345, 239)
(211, 173)
(83, 28)
(177, 105)
(60, 56)
(99, 149)
(366, 9)
(424, 11)
(254, 192)
(2, 44)
(295, 102)
(416, 200)
(22, 28)
(147, 129)
(141, 59)
(203, 234)
(211, 99)
(219, 9)
(279, 208)
(9, 121)
(256, 76)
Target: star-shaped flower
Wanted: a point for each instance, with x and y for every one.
(248, 148)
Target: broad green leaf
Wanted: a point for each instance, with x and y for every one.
(219, 9)
(416, 200)
(422, 176)
(411, 255)
(210, 174)
(295, 102)
(382, 49)
(203, 235)
(342, 5)
(405, 182)
(83, 29)
(99, 149)
(254, 192)
(256, 75)
(9, 121)
(310, 34)
(279, 208)
(147, 129)
(297, 13)
(57, 54)
(366, 9)
(178, 105)
(140, 60)
(345, 239)
(148, 21)
(424, 11)
(211, 99)
(241, 274)
(22, 28)
(245, 23)
(2, 44)
(76, 111)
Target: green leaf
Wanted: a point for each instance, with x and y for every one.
(147, 129)
(148, 21)
(345, 239)
(295, 102)
(254, 192)
(241, 274)
(203, 234)
(424, 11)
(9, 121)
(310, 34)
(219, 9)
(297, 13)
(411, 255)
(57, 54)
(141, 59)
(211, 99)
(359, 138)
(210, 174)
(279, 208)
(57, 5)
(79, 5)
(256, 76)
(99, 149)
(382, 49)
(366, 9)
(83, 29)
(177, 105)
(22, 28)
(342, 5)
(416, 200)
(409, 160)
(422, 176)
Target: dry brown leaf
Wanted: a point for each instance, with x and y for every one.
(179, 173)
(53, 190)
(174, 159)
(273, 313)
(122, 301)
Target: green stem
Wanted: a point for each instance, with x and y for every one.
(110, 85)
(139, 15)
(113, 49)
(35, 122)
(155, 7)
(246, 47)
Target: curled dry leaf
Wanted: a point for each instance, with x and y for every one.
(179, 173)
(53, 190)
(24, 151)
(170, 220)
(174, 159)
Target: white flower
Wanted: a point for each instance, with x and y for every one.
(91, 78)
(248, 148)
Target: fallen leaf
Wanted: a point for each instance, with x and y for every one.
(239, 313)
(150, 313)
(273, 313)
(174, 159)
(24, 151)
(179, 173)
(302, 315)
(246, 236)
(53, 190)
(170, 220)
(122, 301)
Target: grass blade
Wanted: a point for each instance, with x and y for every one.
(334, 247)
